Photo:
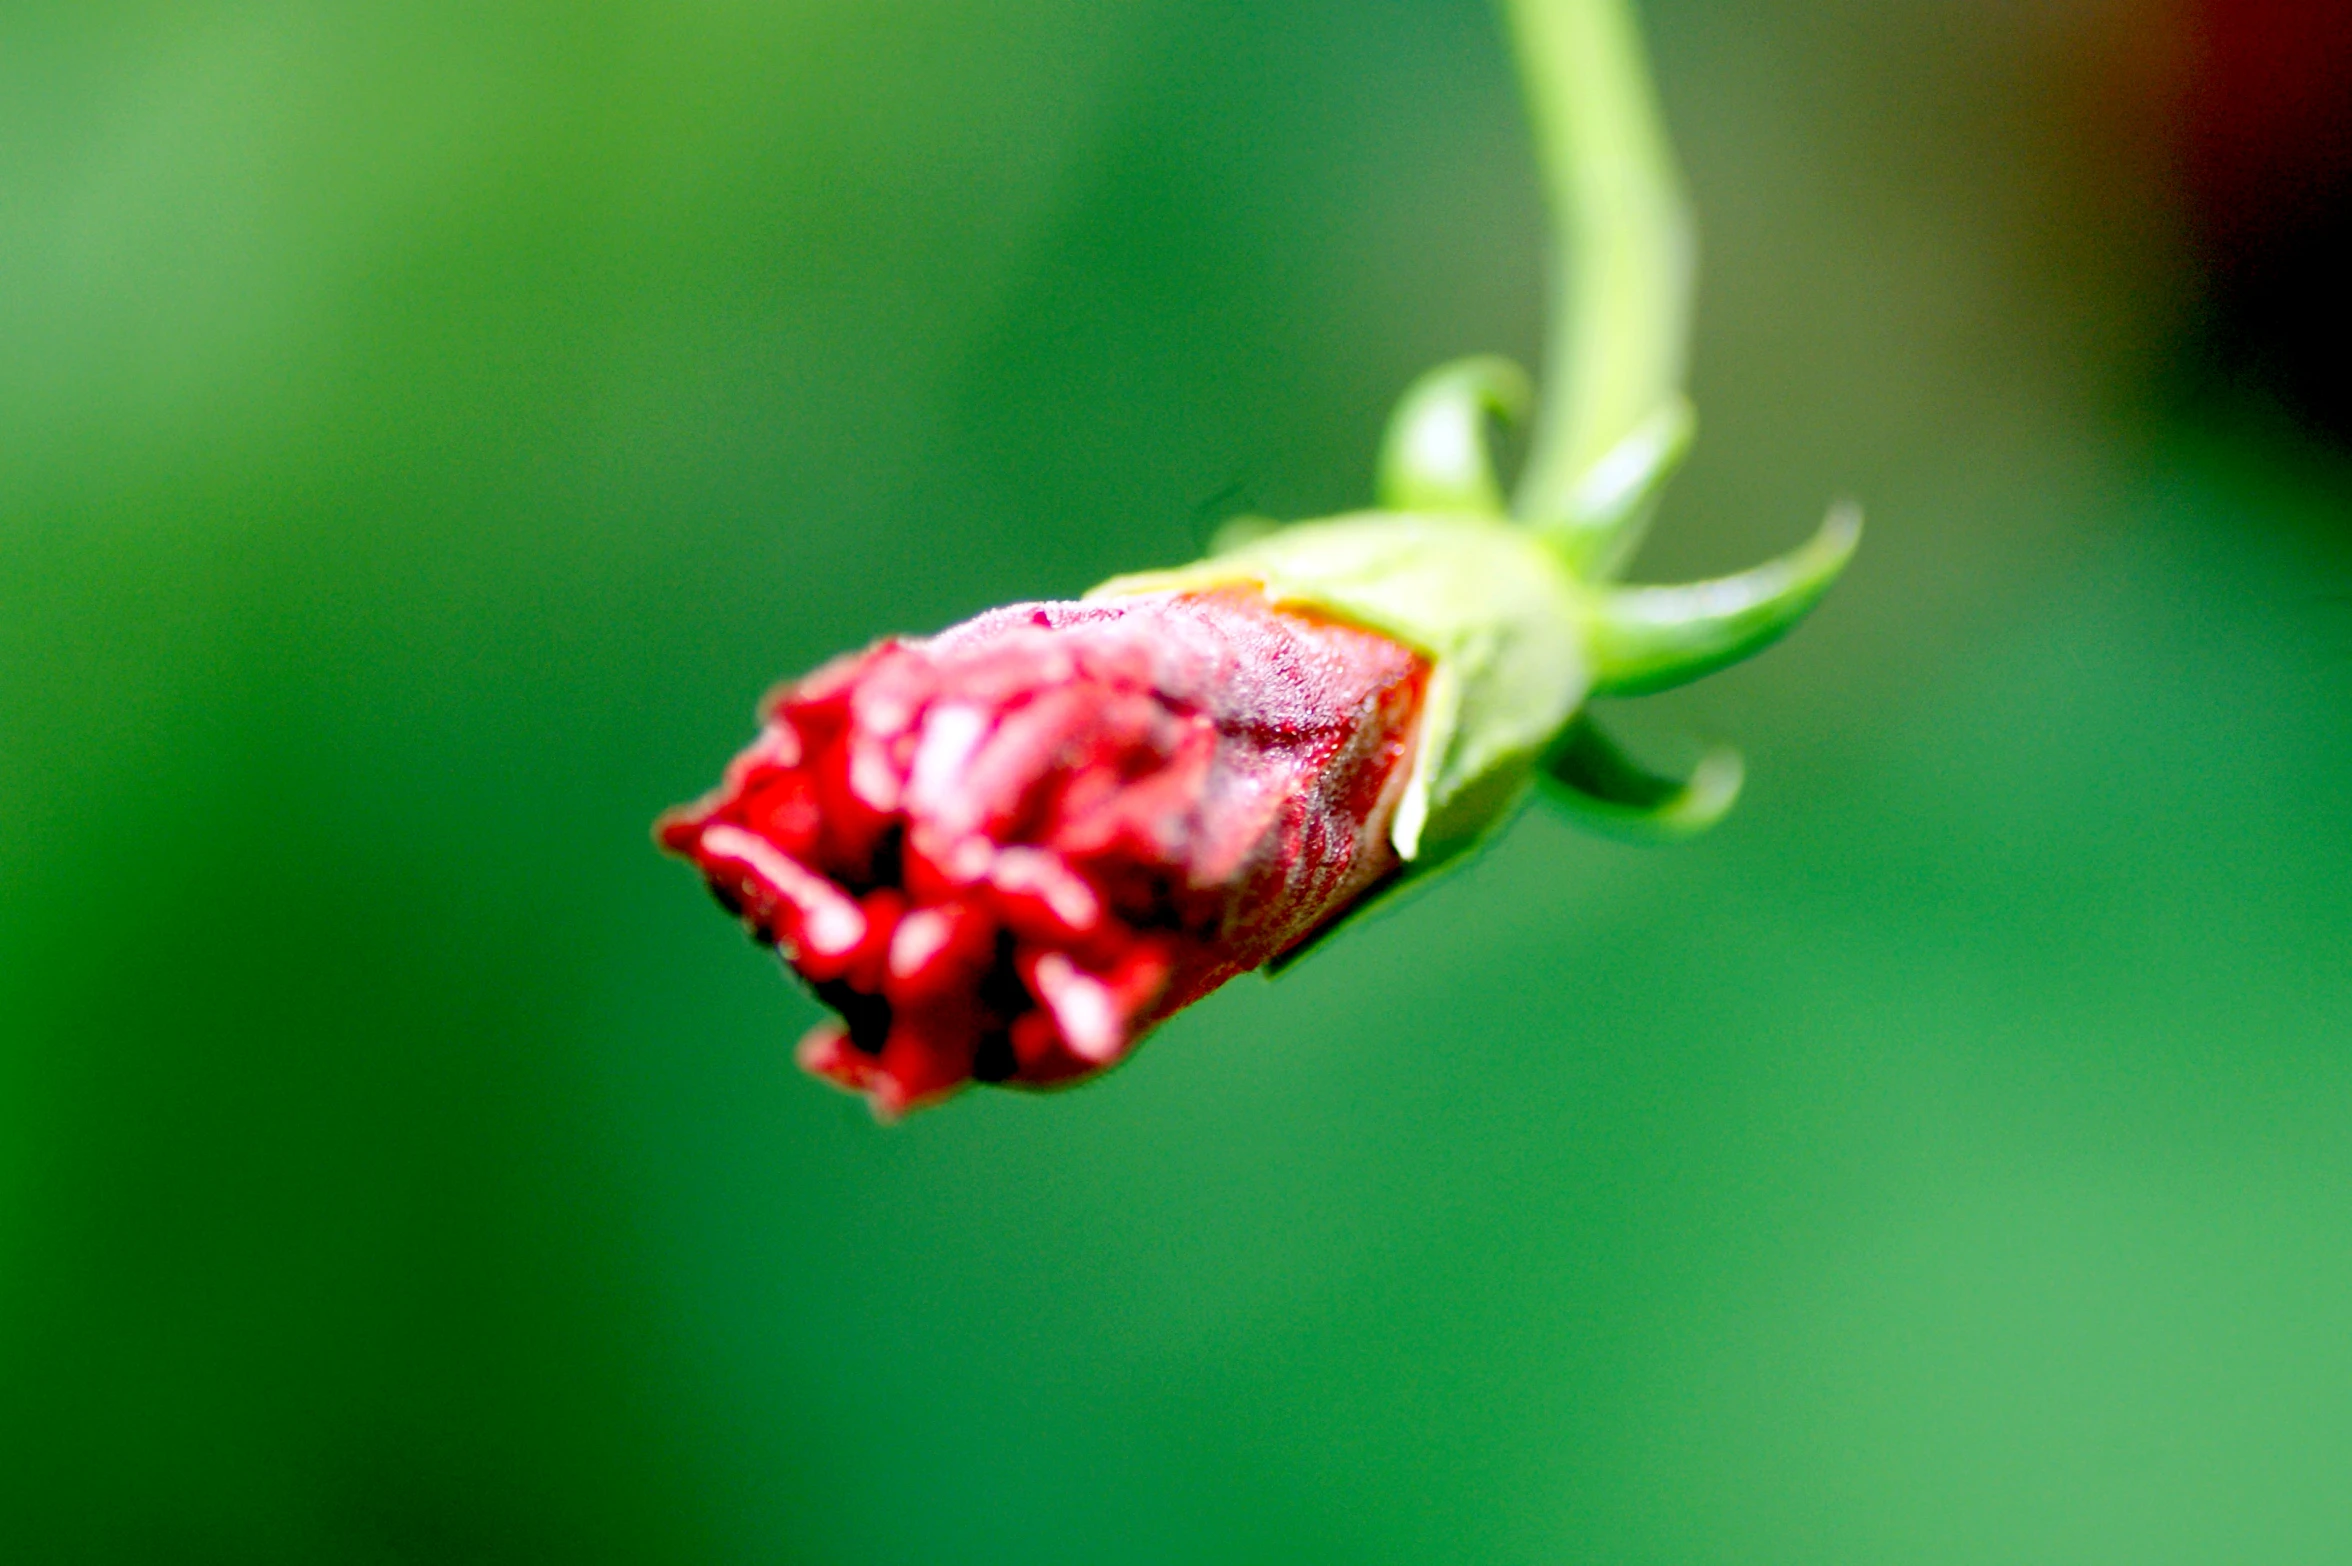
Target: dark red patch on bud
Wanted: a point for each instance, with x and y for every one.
(1005, 852)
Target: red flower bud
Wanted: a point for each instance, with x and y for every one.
(1005, 852)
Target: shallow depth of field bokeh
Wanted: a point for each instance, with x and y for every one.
(426, 429)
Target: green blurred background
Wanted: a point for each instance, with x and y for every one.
(426, 428)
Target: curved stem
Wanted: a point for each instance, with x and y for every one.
(1623, 256)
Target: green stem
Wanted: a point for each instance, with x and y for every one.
(1621, 283)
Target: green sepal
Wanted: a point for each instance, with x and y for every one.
(1654, 638)
(1247, 528)
(1504, 625)
(1435, 456)
(1609, 508)
(1590, 777)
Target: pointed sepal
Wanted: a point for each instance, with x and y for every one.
(1654, 638)
(1592, 778)
(1610, 506)
(1436, 456)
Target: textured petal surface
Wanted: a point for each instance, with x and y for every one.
(1005, 852)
